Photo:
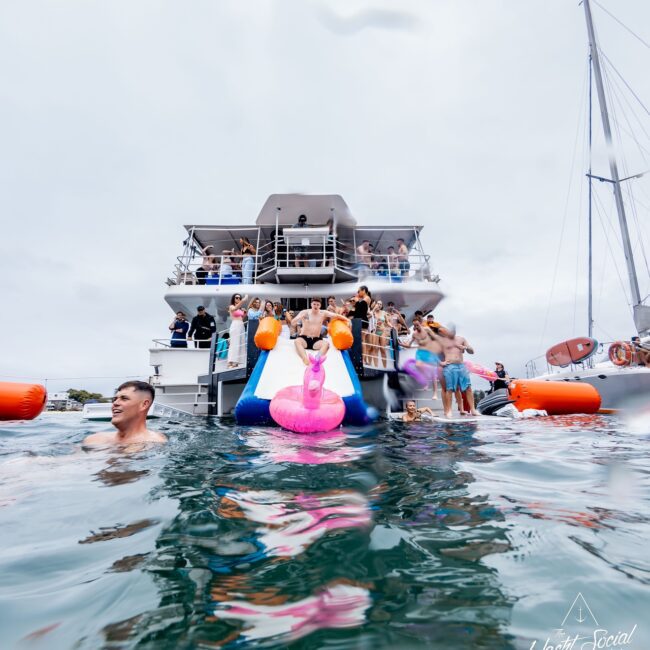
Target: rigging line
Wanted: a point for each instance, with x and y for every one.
(614, 103)
(622, 95)
(609, 247)
(566, 204)
(622, 24)
(585, 155)
(622, 78)
(624, 166)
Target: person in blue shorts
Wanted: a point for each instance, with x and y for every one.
(454, 370)
(428, 355)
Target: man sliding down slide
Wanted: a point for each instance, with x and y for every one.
(310, 337)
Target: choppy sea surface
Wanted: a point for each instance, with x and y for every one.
(499, 534)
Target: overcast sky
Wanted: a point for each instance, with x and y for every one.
(122, 121)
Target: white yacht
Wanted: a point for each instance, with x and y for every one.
(291, 264)
(620, 379)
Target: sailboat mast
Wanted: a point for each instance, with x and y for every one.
(590, 310)
(613, 167)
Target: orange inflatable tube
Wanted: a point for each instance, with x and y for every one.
(555, 397)
(340, 334)
(267, 333)
(21, 401)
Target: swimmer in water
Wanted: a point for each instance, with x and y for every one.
(131, 404)
(413, 414)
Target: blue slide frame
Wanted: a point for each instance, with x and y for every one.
(254, 411)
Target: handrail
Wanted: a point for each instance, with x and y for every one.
(332, 253)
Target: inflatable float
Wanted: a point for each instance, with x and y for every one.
(308, 408)
(280, 373)
(21, 401)
(554, 397)
(424, 373)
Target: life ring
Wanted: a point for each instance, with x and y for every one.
(621, 353)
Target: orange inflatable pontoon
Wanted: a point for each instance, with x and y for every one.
(554, 397)
(21, 401)
(267, 333)
(340, 334)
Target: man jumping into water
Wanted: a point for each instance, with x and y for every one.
(311, 337)
(131, 404)
(453, 368)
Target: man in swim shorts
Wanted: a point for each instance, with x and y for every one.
(131, 403)
(429, 353)
(412, 414)
(455, 373)
(311, 337)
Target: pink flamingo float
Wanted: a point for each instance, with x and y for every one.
(311, 407)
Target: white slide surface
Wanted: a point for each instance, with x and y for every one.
(284, 368)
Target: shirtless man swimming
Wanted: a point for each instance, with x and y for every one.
(413, 414)
(453, 368)
(310, 337)
(131, 404)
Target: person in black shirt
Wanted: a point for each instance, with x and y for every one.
(202, 328)
(503, 378)
(361, 306)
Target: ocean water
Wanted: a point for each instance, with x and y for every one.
(500, 534)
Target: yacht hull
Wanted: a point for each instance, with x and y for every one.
(619, 388)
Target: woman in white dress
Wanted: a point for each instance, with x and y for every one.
(237, 346)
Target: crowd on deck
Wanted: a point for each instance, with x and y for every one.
(439, 350)
(239, 264)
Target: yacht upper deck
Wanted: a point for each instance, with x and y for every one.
(327, 249)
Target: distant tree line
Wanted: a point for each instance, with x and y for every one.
(83, 396)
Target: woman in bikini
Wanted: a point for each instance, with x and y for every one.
(381, 334)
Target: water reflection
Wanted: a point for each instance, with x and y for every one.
(292, 522)
(273, 614)
(279, 446)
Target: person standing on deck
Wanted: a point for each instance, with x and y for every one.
(237, 343)
(202, 328)
(178, 328)
(454, 371)
(300, 252)
(362, 302)
(310, 337)
(429, 353)
(403, 257)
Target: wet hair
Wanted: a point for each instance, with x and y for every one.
(140, 386)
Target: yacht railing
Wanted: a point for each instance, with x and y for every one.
(230, 268)
(538, 366)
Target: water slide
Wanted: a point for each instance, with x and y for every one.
(282, 367)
